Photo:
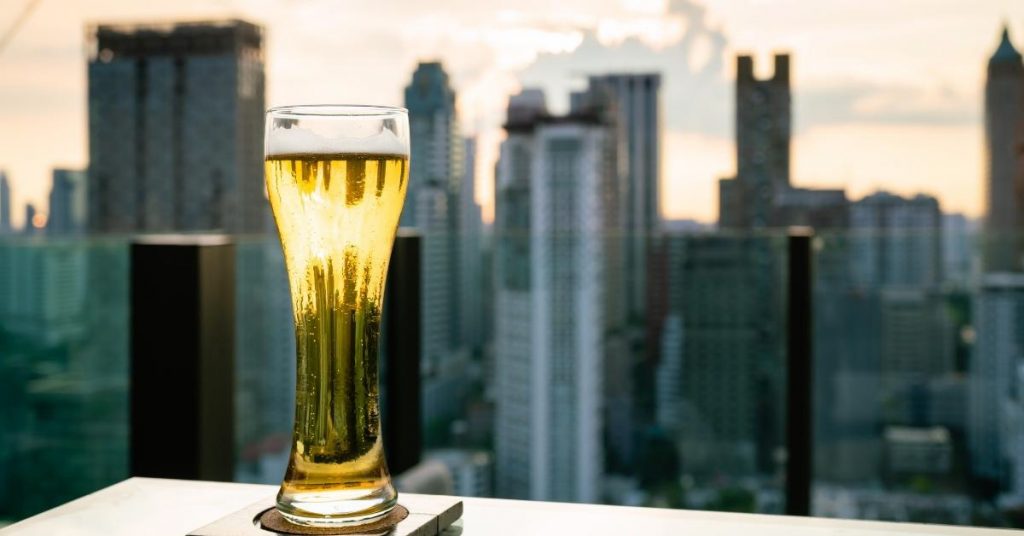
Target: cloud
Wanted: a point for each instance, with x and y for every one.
(887, 104)
(696, 96)
(698, 88)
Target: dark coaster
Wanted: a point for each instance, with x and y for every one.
(272, 520)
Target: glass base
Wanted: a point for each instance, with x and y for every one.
(336, 508)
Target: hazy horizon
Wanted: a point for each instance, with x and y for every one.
(886, 96)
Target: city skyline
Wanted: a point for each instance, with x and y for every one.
(586, 348)
(175, 121)
(856, 92)
(555, 320)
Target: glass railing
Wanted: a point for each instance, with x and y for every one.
(716, 355)
(64, 346)
(895, 318)
(264, 361)
(531, 346)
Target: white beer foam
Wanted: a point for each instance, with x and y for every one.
(285, 141)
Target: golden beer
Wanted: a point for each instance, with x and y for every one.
(337, 215)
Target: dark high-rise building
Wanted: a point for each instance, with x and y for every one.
(761, 194)
(958, 236)
(883, 333)
(433, 129)
(176, 116)
(29, 226)
(896, 241)
(5, 204)
(763, 122)
(722, 357)
(820, 208)
(176, 127)
(431, 202)
(67, 202)
(1004, 120)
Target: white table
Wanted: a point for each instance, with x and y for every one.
(174, 507)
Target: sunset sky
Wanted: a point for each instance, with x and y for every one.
(888, 94)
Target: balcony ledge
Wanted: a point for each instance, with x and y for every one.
(174, 507)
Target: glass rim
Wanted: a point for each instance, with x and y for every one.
(335, 110)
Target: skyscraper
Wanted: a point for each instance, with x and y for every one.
(176, 115)
(29, 226)
(1004, 121)
(555, 189)
(5, 203)
(958, 236)
(176, 127)
(760, 195)
(636, 107)
(67, 202)
(1015, 443)
(999, 324)
(763, 122)
(433, 129)
(432, 206)
(470, 252)
(896, 241)
(916, 349)
(884, 336)
(719, 377)
(631, 107)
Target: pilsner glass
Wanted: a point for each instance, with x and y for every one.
(336, 178)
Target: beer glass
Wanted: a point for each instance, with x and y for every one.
(336, 178)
